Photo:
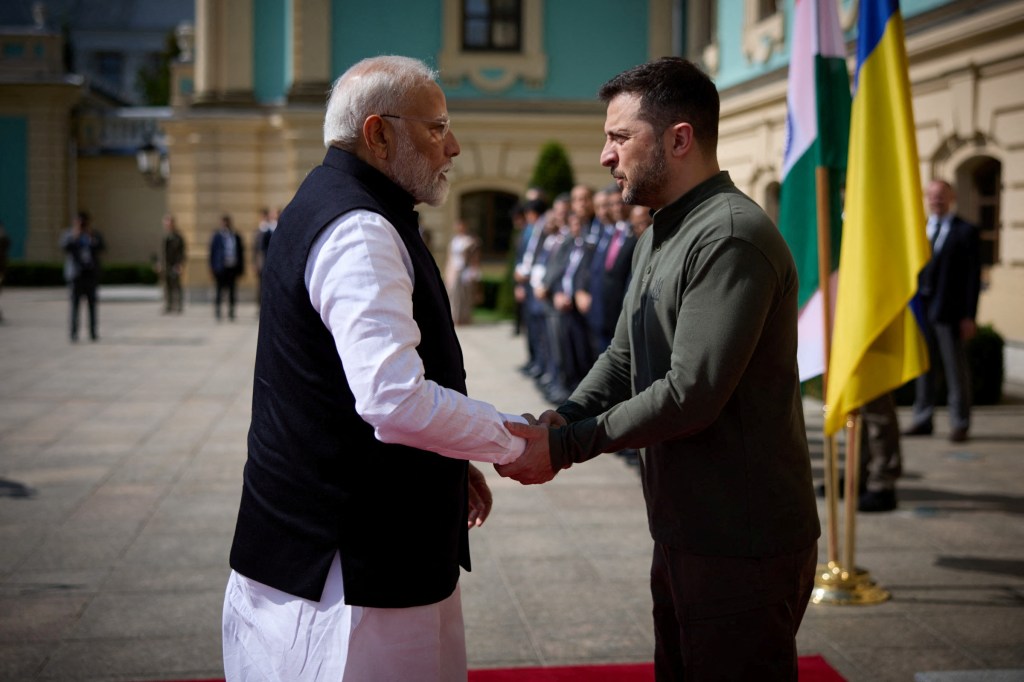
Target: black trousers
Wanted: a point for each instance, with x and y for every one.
(85, 287)
(728, 618)
(225, 284)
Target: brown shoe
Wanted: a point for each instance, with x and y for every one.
(958, 436)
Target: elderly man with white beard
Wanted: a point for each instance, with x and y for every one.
(358, 492)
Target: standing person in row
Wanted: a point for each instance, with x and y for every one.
(701, 375)
(358, 493)
(529, 247)
(462, 272)
(82, 246)
(567, 274)
(172, 264)
(227, 264)
(260, 244)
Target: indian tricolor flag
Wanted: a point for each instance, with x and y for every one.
(876, 343)
(817, 130)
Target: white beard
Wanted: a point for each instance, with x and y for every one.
(412, 172)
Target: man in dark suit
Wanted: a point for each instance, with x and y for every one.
(566, 277)
(947, 304)
(227, 263)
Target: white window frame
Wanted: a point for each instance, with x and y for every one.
(762, 36)
(494, 71)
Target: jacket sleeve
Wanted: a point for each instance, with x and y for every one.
(731, 292)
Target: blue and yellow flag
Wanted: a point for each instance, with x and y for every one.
(876, 343)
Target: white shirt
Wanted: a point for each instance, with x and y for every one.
(360, 280)
(940, 224)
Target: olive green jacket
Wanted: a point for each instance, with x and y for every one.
(702, 375)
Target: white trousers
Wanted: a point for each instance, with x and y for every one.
(272, 636)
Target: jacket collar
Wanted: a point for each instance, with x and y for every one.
(392, 196)
(668, 218)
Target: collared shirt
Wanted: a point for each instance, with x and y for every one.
(938, 230)
(230, 252)
(360, 280)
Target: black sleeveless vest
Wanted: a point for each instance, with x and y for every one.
(316, 480)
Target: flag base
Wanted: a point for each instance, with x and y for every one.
(835, 585)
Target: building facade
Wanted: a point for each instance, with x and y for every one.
(249, 92)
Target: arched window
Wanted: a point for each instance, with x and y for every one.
(979, 182)
(488, 215)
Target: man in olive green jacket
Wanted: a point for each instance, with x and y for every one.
(701, 376)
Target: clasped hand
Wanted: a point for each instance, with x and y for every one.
(534, 465)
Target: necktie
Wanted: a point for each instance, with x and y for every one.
(613, 249)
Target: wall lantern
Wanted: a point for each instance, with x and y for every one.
(153, 163)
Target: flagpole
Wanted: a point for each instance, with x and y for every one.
(835, 584)
(821, 186)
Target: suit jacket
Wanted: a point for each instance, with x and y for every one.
(616, 280)
(82, 256)
(950, 283)
(217, 254)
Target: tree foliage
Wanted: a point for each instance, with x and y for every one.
(553, 172)
(155, 79)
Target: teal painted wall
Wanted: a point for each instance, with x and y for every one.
(360, 30)
(734, 69)
(272, 49)
(587, 42)
(14, 181)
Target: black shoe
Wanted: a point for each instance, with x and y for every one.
(861, 489)
(922, 429)
(958, 436)
(877, 501)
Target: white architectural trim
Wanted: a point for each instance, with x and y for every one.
(761, 36)
(494, 71)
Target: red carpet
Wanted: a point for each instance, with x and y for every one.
(812, 669)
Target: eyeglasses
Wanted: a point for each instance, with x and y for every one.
(441, 126)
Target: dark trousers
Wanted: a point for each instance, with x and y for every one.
(84, 287)
(577, 353)
(172, 292)
(945, 348)
(225, 284)
(881, 461)
(728, 618)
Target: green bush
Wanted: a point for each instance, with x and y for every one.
(985, 355)
(52, 274)
(985, 358)
(128, 273)
(553, 172)
(34, 275)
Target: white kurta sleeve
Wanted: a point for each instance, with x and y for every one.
(360, 280)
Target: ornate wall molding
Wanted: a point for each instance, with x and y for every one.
(494, 71)
(762, 35)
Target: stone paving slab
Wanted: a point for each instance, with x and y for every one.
(120, 470)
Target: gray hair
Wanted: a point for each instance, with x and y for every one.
(376, 85)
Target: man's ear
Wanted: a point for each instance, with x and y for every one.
(683, 141)
(377, 137)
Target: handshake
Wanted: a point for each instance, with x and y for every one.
(534, 465)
